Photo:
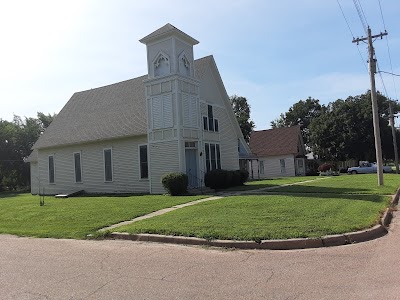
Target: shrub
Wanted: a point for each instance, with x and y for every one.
(236, 178)
(244, 176)
(215, 179)
(220, 179)
(175, 183)
(325, 167)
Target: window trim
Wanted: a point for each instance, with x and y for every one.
(217, 156)
(104, 164)
(282, 164)
(261, 166)
(80, 165)
(54, 168)
(206, 124)
(140, 163)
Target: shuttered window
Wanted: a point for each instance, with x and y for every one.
(167, 111)
(78, 167)
(144, 165)
(190, 111)
(162, 111)
(51, 169)
(108, 172)
(157, 112)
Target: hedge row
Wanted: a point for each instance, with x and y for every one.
(220, 179)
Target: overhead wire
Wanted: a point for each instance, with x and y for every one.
(352, 35)
(361, 15)
(390, 57)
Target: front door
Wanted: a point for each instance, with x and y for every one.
(191, 166)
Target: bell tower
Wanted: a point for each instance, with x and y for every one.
(173, 112)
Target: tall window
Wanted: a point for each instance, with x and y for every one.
(209, 122)
(213, 157)
(144, 165)
(78, 167)
(283, 166)
(51, 169)
(108, 172)
(261, 163)
(210, 118)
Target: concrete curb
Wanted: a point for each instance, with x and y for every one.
(290, 244)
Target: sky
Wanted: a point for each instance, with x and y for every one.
(274, 53)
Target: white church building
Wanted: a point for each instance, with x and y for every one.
(121, 138)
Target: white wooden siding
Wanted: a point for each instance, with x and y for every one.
(164, 159)
(125, 168)
(34, 178)
(228, 140)
(272, 166)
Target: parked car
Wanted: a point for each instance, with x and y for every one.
(367, 167)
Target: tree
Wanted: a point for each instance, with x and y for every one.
(16, 140)
(301, 113)
(242, 111)
(344, 129)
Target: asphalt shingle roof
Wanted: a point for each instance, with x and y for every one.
(113, 111)
(166, 29)
(277, 141)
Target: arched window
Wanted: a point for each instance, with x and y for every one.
(184, 65)
(161, 65)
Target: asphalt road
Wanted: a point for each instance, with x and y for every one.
(69, 269)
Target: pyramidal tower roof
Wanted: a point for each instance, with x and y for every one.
(165, 31)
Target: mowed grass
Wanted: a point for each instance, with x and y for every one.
(259, 217)
(268, 183)
(20, 214)
(327, 205)
(347, 184)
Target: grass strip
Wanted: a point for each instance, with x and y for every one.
(20, 214)
(260, 217)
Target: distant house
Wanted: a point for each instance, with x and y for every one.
(280, 152)
(123, 137)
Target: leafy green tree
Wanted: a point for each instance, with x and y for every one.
(301, 113)
(16, 140)
(344, 129)
(241, 109)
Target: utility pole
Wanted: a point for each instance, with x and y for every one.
(375, 115)
(391, 122)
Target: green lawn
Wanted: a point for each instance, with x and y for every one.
(268, 217)
(347, 184)
(266, 183)
(20, 214)
(324, 206)
(331, 205)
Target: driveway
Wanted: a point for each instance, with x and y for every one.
(70, 269)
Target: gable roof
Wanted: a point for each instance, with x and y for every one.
(277, 141)
(113, 111)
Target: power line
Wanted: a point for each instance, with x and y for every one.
(389, 73)
(361, 15)
(387, 44)
(352, 35)
(383, 83)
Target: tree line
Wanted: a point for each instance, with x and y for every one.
(343, 129)
(16, 140)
